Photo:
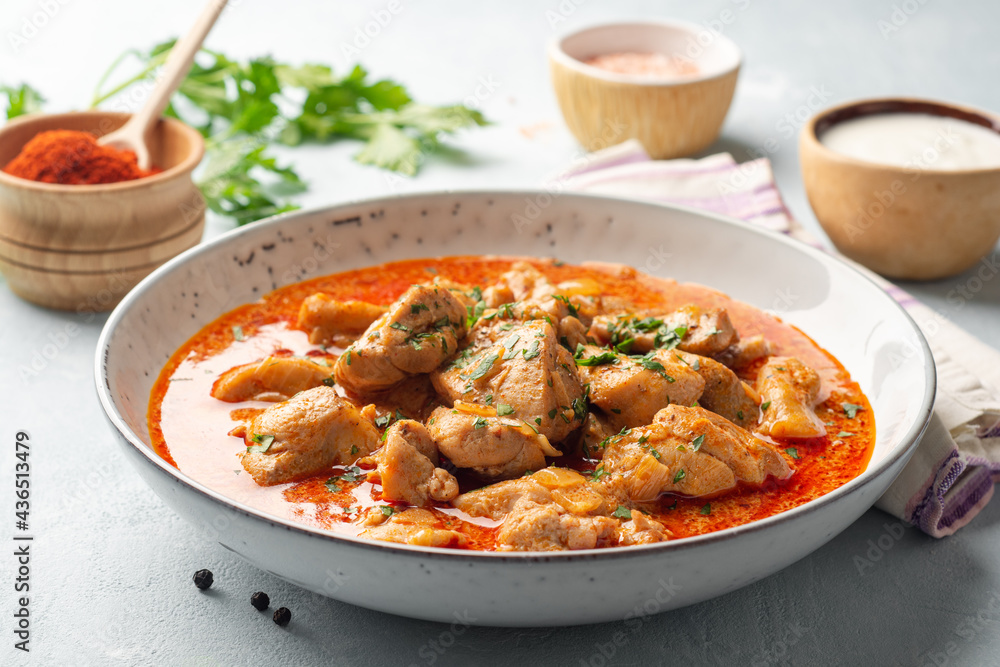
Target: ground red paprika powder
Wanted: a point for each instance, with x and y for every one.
(69, 157)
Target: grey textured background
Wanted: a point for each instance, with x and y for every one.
(112, 565)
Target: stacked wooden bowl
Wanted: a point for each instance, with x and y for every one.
(83, 247)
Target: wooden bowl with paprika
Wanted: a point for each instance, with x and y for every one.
(80, 224)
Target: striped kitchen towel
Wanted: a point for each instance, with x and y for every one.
(952, 473)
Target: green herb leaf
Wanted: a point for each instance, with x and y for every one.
(331, 485)
(793, 452)
(851, 410)
(844, 434)
(264, 443)
(386, 510)
(22, 100)
(238, 333)
(622, 512)
(503, 410)
(697, 442)
(483, 367)
(479, 423)
(679, 475)
(598, 473)
(765, 405)
(707, 509)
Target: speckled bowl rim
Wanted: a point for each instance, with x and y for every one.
(824, 120)
(179, 170)
(558, 55)
(907, 442)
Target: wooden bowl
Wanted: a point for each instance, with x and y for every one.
(670, 117)
(901, 222)
(82, 247)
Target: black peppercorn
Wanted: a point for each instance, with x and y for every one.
(203, 579)
(260, 601)
(282, 616)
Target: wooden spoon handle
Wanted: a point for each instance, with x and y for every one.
(178, 63)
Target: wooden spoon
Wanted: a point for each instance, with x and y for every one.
(132, 135)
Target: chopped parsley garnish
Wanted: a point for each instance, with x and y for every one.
(851, 410)
(538, 420)
(354, 449)
(353, 474)
(707, 509)
(479, 423)
(596, 360)
(598, 473)
(680, 475)
(474, 313)
(331, 485)
(503, 410)
(400, 327)
(844, 434)
(330, 381)
(697, 442)
(442, 323)
(532, 351)
(625, 346)
(579, 408)
(489, 399)
(765, 405)
(383, 421)
(793, 452)
(415, 308)
(622, 512)
(648, 362)
(739, 415)
(565, 299)
(386, 510)
(484, 366)
(348, 355)
(238, 333)
(263, 441)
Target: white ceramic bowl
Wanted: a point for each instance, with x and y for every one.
(840, 308)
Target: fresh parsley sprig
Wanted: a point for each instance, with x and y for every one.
(243, 107)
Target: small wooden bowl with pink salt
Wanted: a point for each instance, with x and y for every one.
(668, 84)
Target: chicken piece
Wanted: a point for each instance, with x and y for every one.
(332, 322)
(418, 332)
(744, 352)
(497, 500)
(526, 374)
(406, 467)
(642, 463)
(789, 390)
(494, 447)
(595, 431)
(642, 530)
(750, 458)
(724, 394)
(534, 527)
(413, 398)
(691, 328)
(305, 435)
(271, 379)
(552, 509)
(419, 527)
(632, 390)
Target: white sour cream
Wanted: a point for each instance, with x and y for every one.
(916, 141)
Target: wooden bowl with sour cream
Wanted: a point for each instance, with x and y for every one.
(668, 84)
(909, 188)
(83, 247)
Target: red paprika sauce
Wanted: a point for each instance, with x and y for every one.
(189, 428)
